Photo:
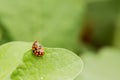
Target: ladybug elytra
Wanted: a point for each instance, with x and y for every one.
(37, 49)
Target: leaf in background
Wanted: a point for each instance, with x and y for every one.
(4, 34)
(101, 17)
(116, 41)
(104, 66)
(0, 35)
(55, 23)
(18, 62)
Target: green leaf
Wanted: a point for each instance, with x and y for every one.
(10, 56)
(103, 66)
(18, 62)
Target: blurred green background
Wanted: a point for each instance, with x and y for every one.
(85, 27)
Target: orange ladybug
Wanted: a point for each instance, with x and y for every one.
(37, 49)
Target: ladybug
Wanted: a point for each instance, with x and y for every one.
(37, 49)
